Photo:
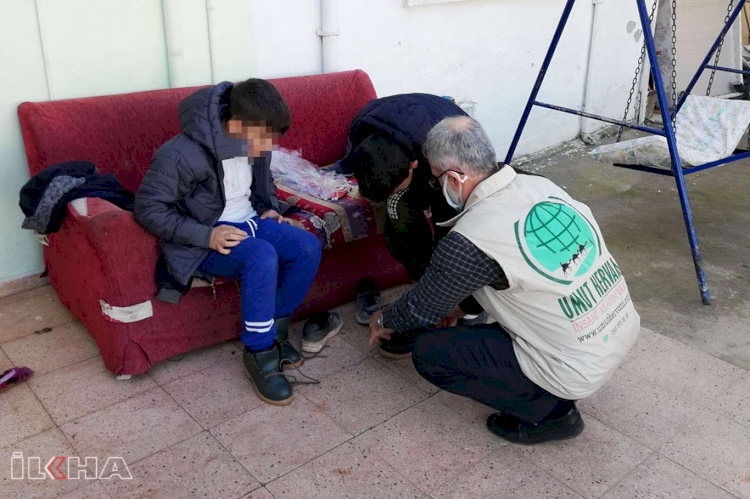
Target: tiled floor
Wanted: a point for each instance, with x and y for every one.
(673, 422)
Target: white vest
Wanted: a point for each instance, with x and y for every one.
(568, 308)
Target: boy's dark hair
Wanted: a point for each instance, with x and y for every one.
(257, 102)
(380, 165)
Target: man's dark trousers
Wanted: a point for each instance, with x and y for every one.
(478, 362)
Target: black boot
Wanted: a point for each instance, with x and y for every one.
(265, 372)
(521, 432)
(290, 356)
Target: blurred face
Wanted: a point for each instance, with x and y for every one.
(260, 139)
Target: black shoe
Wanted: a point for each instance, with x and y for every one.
(473, 320)
(368, 301)
(400, 346)
(520, 432)
(290, 356)
(268, 380)
(320, 328)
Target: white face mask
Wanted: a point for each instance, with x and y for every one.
(454, 199)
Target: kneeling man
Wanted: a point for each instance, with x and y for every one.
(535, 260)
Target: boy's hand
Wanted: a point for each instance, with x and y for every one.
(273, 214)
(226, 237)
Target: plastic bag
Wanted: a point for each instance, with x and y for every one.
(708, 129)
(290, 169)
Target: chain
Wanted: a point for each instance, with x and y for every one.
(637, 74)
(730, 8)
(674, 64)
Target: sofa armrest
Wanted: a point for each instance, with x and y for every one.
(86, 208)
(126, 252)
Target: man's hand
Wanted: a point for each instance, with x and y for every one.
(226, 237)
(377, 332)
(451, 319)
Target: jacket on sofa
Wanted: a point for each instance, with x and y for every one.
(44, 198)
(182, 194)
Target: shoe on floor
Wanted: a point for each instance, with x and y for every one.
(267, 377)
(320, 328)
(520, 432)
(368, 301)
(291, 358)
(473, 320)
(400, 346)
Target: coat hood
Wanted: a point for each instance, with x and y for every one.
(200, 117)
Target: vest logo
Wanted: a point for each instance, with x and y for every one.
(558, 241)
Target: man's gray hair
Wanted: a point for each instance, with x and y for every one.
(460, 143)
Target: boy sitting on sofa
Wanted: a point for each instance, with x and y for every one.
(210, 199)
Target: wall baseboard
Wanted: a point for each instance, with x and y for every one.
(21, 284)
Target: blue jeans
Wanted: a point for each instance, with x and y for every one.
(277, 264)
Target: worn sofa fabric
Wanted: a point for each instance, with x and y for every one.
(107, 256)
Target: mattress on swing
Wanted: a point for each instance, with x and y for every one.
(708, 129)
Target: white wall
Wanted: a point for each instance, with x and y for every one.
(486, 51)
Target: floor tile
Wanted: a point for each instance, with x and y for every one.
(643, 411)
(504, 476)
(21, 415)
(659, 478)
(260, 493)
(5, 362)
(44, 446)
(217, 394)
(133, 429)
(271, 441)
(363, 396)
(715, 448)
(95, 490)
(646, 338)
(694, 375)
(196, 468)
(337, 355)
(83, 388)
(198, 360)
(63, 346)
(735, 402)
(405, 368)
(429, 444)
(468, 409)
(347, 471)
(24, 313)
(353, 333)
(591, 463)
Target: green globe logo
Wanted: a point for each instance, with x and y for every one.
(559, 239)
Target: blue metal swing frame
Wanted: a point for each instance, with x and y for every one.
(677, 171)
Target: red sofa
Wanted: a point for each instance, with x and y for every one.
(102, 259)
